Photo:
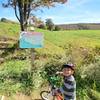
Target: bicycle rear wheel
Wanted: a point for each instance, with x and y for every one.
(46, 95)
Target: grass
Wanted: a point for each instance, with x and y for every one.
(82, 37)
(9, 29)
(10, 73)
(54, 43)
(87, 38)
(55, 40)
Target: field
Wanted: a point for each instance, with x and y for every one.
(56, 39)
(79, 46)
(86, 37)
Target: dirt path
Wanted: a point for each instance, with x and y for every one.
(34, 96)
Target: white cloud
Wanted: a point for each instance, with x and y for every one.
(86, 17)
(76, 3)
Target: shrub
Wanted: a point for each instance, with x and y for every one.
(57, 28)
(49, 71)
(27, 82)
(42, 26)
(3, 19)
(94, 94)
(14, 77)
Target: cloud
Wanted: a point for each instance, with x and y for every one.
(86, 17)
(53, 17)
(73, 4)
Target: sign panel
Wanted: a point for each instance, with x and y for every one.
(31, 40)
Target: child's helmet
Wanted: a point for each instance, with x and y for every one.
(72, 66)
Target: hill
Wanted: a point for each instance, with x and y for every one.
(8, 33)
(80, 26)
(85, 38)
(79, 46)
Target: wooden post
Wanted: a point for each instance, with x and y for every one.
(32, 51)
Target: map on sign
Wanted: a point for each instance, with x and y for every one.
(31, 40)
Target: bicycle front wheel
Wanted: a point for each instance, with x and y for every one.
(46, 95)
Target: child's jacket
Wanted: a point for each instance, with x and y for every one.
(68, 88)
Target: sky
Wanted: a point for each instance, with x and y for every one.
(74, 11)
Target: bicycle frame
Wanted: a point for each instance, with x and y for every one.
(47, 95)
(59, 97)
(51, 94)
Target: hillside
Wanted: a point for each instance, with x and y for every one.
(81, 47)
(80, 26)
(89, 38)
(54, 41)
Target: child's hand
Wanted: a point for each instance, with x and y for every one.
(56, 92)
(59, 73)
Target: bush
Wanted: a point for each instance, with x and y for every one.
(3, 19)
(38, 69)
(26, 79)
(57, 28)
(15, 77)
(42, 26)
(97, 50)
(49, 71)
(94, 94)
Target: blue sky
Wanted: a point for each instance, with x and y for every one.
(74, 11)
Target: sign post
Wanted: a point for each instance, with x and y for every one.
(31, 40)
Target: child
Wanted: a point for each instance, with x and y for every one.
(68, 88)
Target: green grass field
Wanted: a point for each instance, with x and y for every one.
(81, 37)
(88, 38)
(55, 40)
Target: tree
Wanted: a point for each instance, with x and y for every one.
(57, 28)
(23, 8)
(49, 24)
(3, 19)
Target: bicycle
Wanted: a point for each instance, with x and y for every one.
(50, 94)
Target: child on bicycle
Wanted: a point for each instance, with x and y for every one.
(68, 89)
